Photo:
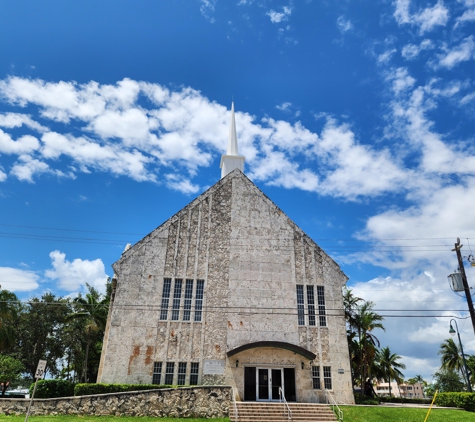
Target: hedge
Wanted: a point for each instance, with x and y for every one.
(414, 400)
(47, 389)
(463, 400)
(92, 389)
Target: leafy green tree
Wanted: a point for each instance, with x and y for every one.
(471, 368)
(10, 370)
(40, 332)
(9, 308)
(390, 366)
(448, 380)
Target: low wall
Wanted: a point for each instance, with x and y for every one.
(199, 402)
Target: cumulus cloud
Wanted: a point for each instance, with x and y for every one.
(17, 280)
(73, 275)
(425, 19)
(277, 17)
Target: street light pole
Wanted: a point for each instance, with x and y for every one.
(457, 248)
(467, 376)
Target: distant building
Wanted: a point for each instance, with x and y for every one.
(403, 390)
(229, 291)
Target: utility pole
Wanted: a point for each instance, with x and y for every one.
(457, 248)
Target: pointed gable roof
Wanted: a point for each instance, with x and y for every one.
(183, 213)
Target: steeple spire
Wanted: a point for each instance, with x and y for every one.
(232, 159)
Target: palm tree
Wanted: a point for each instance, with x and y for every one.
(366, 320)
(452, 358)
(390, 367)
(92, 310)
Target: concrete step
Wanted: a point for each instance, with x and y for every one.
(276, 412)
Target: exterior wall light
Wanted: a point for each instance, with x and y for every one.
(237, 363)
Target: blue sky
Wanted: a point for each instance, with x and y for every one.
(355, 117)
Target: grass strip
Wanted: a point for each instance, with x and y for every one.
(403, 414)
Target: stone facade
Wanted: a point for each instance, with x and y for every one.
(198, 402)
(251, 258)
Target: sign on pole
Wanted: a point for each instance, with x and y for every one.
(40, 370)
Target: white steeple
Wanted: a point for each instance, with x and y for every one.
(231, 160)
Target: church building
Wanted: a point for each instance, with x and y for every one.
(229, 291)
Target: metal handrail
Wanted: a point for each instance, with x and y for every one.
(286, 405)
(331, 401)
(236, 415)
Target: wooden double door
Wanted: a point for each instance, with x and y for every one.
(263, 384)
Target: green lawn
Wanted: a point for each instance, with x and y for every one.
(388, 414)
(102, 419)
(351, 414)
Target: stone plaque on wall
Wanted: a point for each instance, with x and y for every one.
(213, 367)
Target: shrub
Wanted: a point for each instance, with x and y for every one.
(47, 389)
(463, 400)
(92, 389)
(359, 399)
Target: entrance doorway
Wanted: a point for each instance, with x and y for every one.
(262, 384)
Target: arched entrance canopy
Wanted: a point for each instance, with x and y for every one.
(278, 344)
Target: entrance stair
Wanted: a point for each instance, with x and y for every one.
(277, 412)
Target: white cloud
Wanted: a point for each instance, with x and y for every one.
(284, 106)
(26, 167)
(461, 53)
(411, 51)
(386, 56)
(207, 9)
(17, 280)
(11, 120)
(468, 15)
(426, 19)
(277, 17)
(3, 175)
(344, 25)
(181, 184)
(24, 145)
(73, 275)
(400, 79)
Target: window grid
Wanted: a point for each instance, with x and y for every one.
(187, 300)
(300, 305)
(170, 370)
(327, 377)
(311, 305)
(167, 283)
(316, 377)
(194, 373)
(199, 300)
(181, 373)
(321, 306)
(176, 299)
(157, 373)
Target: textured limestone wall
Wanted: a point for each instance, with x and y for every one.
(198, 402)
(251, 256)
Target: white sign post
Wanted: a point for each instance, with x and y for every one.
(40, 371)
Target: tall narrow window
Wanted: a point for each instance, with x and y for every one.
(170, 370)
(199, 300)
(327, 377)
(181, 373)
(316, 377)
(311, 305)
(187, 302)
(300, 305)
(167, 283)
(321, 306)
(176, 299)
(157, 373)
(195, 366)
